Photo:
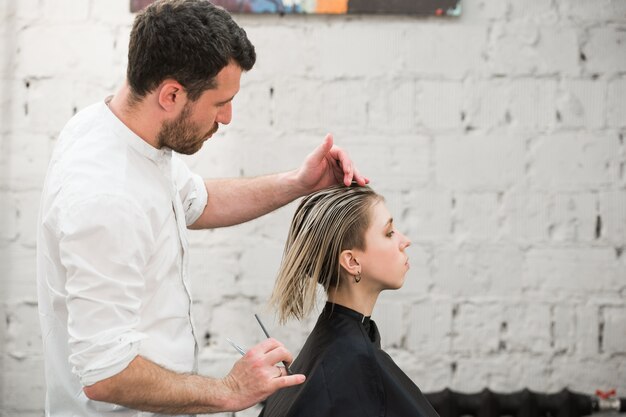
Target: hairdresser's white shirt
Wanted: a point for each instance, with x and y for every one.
(112, 269)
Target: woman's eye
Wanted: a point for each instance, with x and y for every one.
(390, 233)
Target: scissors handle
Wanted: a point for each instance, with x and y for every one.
(268, 336)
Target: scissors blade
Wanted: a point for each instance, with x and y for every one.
(236, 346)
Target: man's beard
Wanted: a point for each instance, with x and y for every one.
(181, 135)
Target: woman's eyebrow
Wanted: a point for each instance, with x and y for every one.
(389, 222)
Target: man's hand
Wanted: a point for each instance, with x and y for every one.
(327, 165)
(256, 376)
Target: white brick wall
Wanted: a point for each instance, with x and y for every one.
(498, 139)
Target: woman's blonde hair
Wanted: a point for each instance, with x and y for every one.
(324, 224)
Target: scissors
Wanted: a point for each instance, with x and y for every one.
(243, 352)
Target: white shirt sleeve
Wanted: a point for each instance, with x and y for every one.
(105, 245)
(190, 188)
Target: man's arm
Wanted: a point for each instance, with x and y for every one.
(234, 201)
(146, 386)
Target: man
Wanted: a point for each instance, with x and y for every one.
(112, 247)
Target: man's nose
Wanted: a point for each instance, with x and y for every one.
(225, 114)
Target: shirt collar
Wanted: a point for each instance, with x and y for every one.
(331, 308)
(138, 144)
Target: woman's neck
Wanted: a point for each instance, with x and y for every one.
(355, 298)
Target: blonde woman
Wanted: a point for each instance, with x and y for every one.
(344, 239)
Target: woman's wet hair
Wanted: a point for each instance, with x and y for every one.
(325, 223)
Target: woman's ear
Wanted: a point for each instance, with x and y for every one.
(349, 262)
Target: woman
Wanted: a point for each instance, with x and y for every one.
(344, 239)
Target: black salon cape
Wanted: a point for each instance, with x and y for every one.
(348, 374)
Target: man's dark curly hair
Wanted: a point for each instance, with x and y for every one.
(186, 40)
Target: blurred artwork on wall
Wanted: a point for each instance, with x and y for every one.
(411, 7)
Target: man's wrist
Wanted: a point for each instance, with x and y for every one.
(290, 183)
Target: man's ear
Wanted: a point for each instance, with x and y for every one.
(171, 96)
(349, 262)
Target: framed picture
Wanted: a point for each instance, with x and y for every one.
(404, 7)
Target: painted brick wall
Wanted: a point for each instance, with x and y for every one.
(498, 139)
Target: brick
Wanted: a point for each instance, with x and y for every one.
(214, 272)
(587, 331)
(571, 270)
(521, 49)
(234, 318)
(484, 10)
(487, 102)
(527, 215)
(116, 12)
(574, 161)
(604, 50)
(23, 337)
(573, 218)
(563, 334)
(428, 215)
(404, 166)
(25, 11)
(581, 104)
(28, 163)
(418, 279)
(275, 62)
(390, 316)
(38, 118)
(13, 106)
(612, 208)
(28, 205)
(533, 104)
(589, 375)
(614, 330)
(540, 217)
(253, 105)
(8, 48)
(18, 267)
(343, 104)
(616, 103)
(373, 48)
(23, 386)
(430, 373)
(527, 327)
(89, 55)
(440, 104)
(65, 11)
(475, 270)
(9, 230)
(259, 264)
(475, 328)
(298, 104)
(596, 11)
(391, 105)
(533, 11)
(478, 161)
(449, 50)
(430, 327)
(477, 216)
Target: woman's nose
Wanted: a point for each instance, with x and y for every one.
(406, 242)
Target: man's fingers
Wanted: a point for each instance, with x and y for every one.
(321, 151)
(279, 354)
(360, 179)
(288, 381)
(266, 346)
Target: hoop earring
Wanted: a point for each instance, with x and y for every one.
(357, 278)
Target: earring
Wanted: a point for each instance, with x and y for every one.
(357, 277)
